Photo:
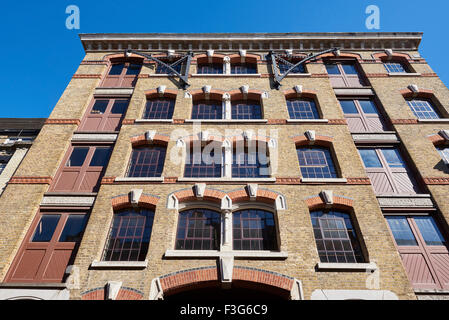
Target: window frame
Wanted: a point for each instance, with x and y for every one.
(170, 112)
(107, 247)
(159, 160)
(355, 229)
(331, 155)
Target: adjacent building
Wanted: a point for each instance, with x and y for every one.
(280, 166)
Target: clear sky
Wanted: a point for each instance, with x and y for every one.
(39, 54)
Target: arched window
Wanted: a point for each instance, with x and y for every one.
(129, 235)
(254, 229)
(159, 108)
(246, 109)
(198, 229)
(335, 237)
(395, 67)
(147, 161)
(302, 109)
(207, 109)
(316, 162)
(423, 108)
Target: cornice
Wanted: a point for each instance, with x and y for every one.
(251, 41)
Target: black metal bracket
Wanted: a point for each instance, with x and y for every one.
(182, 77)
(278, 77)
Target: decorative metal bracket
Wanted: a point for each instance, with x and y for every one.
(183, 78)
(278, 77)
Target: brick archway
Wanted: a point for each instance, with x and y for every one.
(243, 277)
(123, 294)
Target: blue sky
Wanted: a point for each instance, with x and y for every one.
(40, 54)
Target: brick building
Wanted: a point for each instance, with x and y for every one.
(216, 165)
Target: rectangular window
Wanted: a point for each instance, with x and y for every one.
(344, 74)
(302, 109)
(203, 164)
(207, 110)
(388, 171)
(129, 236)
(316, 162)
(246, 110)
(212, 68)
(147, 162)
(254, 230)
(423, 250)
(105, 115)
(362, 115)
(83, 169)
(444, 152)
(254, 164)
(423, 109)
(48, 247)
(161, 108)
(394, 67)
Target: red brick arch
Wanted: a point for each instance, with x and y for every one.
(343, 55)
(251, 58)
(339, 202)
(239, 195)
(437, 139)
(324, 141)
(253, 94)
(204, 58)
(196, 278)
(140, 140)
(168, 93)
(123, 294)
(123, 201)
(382, 56)
(292, 94)
(121, 57)
(215, 94)
(423, 93)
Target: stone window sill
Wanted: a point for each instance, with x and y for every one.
(119, 264)
(227, 120)
(433, 120)
(227, 179)
(321, 266)
(217, 254)
(139, 179)
(254, 75)
(153, 120)
(324, 180)
(403, 74)
(308, 120)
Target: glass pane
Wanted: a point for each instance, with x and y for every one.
(119, 107)
(393, 158)
(101, 157)
(368, 106)
(332, 69)
(429, 231)
(401, 231)
(370, 158)
(444, 152)
(78, 156)
(99, 106)
(73, 228)
(349, 68)
(133, 69)
(348, 106)
(46, 227)
(116, 69)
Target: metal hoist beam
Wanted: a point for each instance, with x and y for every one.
(278, 77)
(183, 78)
